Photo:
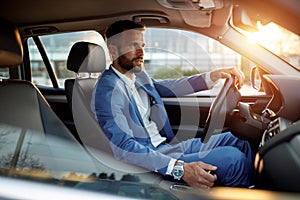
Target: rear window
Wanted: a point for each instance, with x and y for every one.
(4, 73)
(57, 47)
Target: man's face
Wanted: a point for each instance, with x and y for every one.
(131, 50)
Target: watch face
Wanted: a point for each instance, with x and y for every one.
(177, 172)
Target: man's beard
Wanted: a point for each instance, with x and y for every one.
(127, 64)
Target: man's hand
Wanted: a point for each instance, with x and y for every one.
(226, 73)
(196, 175)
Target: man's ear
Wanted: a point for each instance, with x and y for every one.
(113, 51)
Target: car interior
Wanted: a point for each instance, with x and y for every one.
(273, 119)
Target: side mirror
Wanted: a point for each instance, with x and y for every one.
(257, 80)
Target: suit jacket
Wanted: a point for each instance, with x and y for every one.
(119, 117)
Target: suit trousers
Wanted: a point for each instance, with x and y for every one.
(232, 156)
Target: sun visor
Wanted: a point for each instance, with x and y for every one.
(196, 13)
(197, 18)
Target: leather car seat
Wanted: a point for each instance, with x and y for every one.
(25, 113)
(21, 103)
(88, 58)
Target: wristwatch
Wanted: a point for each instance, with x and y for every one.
(178, 170)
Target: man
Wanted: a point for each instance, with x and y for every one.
(129, 108)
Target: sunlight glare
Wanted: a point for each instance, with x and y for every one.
(268, 35)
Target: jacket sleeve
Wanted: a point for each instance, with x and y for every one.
(181, 86)
(113, 111)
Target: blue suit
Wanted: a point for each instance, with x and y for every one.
(119, 117)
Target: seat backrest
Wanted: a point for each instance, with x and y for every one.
(21, 103)
(84, 57)
(92, 59)
(28, 125)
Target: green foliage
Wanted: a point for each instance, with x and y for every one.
(177, 72)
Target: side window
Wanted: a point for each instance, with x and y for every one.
(4, 73)
(57, 48)
(159, 194)
(132, 190)
(172, 53)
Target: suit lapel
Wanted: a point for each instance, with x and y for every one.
(158, 112)
(159, 115)
(131, 101)
(134, 104)
(150, 90)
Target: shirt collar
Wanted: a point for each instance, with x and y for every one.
(127, 80)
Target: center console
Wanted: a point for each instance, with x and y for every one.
(274, 127)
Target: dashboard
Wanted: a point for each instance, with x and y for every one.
(286, 96)
(277, 162)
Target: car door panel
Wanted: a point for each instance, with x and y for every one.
(187, 115)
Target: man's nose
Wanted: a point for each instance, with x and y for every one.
(140, 50)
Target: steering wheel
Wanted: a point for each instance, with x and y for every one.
(223, 104)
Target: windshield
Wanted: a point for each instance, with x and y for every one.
(278, 40)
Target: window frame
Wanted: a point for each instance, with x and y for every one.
(47, 60)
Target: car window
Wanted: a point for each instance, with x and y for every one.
(169, 53)
(27, 152)
(4, 73)
(278, 40)
(158, 194)
(172, 53)
(58, 47)
(101, 185)
(133, 190)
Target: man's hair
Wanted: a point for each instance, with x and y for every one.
(120, 26)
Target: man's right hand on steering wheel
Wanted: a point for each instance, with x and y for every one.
(226, 72)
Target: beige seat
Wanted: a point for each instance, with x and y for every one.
(90, 58)
(28, 125)
(21, 103)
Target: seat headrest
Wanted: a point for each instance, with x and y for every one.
(86, 57)
(11, 50)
